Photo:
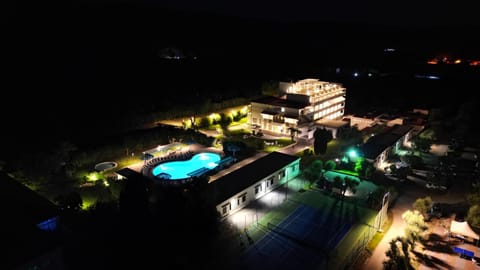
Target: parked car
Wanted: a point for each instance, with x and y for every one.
(431, 185)
(435, 211)
(394, 177)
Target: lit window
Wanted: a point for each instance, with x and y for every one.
(269, 182)
(226, 208)
(242, 198)
(258, 188)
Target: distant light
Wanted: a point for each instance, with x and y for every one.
(352, 153)
(337, 70)
(355, 74)
(430, 77)
(369, 74)
(106, 183)
(389, 50)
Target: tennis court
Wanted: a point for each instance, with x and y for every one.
(302, 241)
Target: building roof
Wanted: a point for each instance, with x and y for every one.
(280, 102)
(331, 123)
(24, 204)
(128, 173)
(238, 180)
(377, 144)
(22, 211)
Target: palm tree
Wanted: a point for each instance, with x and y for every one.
(294, 133)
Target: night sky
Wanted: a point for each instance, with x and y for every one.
(398, 13)
(66, 63)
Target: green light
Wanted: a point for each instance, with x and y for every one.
(93, 176)
(352, 153)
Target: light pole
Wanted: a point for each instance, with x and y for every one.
(286, 190)
(383, 210)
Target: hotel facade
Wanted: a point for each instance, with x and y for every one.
(302, 105)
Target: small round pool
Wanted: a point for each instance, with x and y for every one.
(199, 164)
(105, 166)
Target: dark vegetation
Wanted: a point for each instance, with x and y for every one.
(151, 225)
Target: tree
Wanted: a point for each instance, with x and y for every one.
(368, 171)
(415, 225)
(398, 255)
(423, 205)
(473, 216)
(338, 183)
(293, 133)
(360, 166)
(232, 147)
(351, 134)
(422, 144)
(314, 171)
(270, 88)
(321, 138)
(193, 122)
(204, 122)
(350, 184)
(224, 121)
(70, 202)
(474, 197)
(412, 161)
(317, 167)
(330, 165)
(134, 198)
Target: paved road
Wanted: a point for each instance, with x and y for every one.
(375, 262)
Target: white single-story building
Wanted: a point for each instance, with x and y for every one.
(237, 189)
(377, 149)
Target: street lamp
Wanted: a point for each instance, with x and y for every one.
(383, 210)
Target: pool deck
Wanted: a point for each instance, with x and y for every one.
(236, 166)
(196, 148)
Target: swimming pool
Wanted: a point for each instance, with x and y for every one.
(173, 170)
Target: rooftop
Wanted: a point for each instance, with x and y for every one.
(238, 180)
(377, 144)
(331, 123)
(22, 211)
(280, 102)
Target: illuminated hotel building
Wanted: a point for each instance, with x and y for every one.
(302, 105)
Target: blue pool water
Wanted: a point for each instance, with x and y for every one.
(183, 169)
